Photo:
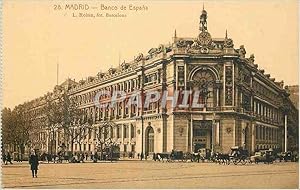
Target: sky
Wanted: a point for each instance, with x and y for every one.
(37, 37)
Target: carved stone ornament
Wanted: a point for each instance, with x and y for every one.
(251, 58)
(139, 57)
(152, 51)
(100, 75)
(112, 71)
(181, 131)
(204, 50)
(228, 130)
(124, 65)
(181, 43)
(158, 130)
(204, 38)
(138, 131)
(242, 51)
(243, 131)
(228, 43)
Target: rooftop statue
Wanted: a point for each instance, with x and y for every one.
(203, 22)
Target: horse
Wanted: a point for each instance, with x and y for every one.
(222, 158)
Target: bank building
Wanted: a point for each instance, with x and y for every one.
(243, 106)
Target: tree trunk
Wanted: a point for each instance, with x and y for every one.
(101, 151)
(72, 143)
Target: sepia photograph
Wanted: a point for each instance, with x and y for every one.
(166, 94)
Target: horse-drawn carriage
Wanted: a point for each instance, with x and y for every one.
(171, 156)
(239, 155)
(180, 156)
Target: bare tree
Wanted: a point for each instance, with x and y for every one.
(16, 127)
(104, 135)
(64, 114)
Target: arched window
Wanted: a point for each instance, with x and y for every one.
(203, 83)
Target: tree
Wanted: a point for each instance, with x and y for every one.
(104, 136)
(16, 128)
(25, 126)
(53, 117)
(63, 114)
(9, 136)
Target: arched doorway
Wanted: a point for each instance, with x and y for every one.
(149, 140)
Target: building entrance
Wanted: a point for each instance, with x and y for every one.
(149, 140)
(202, 135)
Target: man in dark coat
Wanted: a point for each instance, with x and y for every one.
(8, 158)
(34, 162)
(4, 158)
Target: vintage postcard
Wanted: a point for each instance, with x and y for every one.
(150, 94)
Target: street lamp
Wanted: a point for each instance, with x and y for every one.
(142, 119)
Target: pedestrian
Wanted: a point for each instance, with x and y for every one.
(34, 162)
(9, 158)
(95, 157)
(154, 156)
(92, 156)
(142, 156)
(82, 157)
(18, 157)
(4, 158)
(138, 155)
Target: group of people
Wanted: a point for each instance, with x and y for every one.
(76, 157)
(6, 158)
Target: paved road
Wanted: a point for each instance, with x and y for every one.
(150, 174)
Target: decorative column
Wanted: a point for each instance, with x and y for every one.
(285, 132)
(122, 135)
(218, 132)
(253, 137)
(129, 137)
(217, 90)
(192, 145)
(218, 87)
(213, 136)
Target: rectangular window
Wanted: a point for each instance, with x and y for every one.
(180, 75)
(132, 131)
(90, 133)
(119, 131)
(125, 132)
(125, 148)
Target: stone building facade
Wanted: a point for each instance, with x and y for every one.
(242, 105)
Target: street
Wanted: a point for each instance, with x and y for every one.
(150, 174)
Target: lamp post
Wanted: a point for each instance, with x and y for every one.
(142, 119)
